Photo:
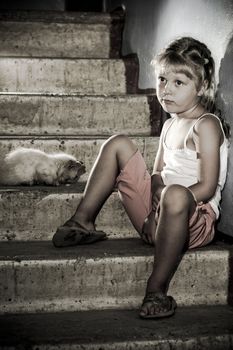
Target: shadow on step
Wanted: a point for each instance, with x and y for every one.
(116, 33)
(205, 327)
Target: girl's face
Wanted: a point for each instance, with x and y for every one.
(176, 89)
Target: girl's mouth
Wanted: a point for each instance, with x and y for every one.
(167, 102)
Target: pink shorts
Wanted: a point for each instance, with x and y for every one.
(134, 187)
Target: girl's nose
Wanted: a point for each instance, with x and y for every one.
(167, 89)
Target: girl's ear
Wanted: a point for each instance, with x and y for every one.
(203, 88)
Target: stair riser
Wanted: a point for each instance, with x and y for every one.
(85, 150)
(32, 216)
(28, 115)
(83, 284)
(215, 342)
(57, 39)
(67, 76)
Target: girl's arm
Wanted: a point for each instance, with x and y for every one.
(157, 184)
(207, 137)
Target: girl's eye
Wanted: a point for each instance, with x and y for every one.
(179, 82)
(162, 79)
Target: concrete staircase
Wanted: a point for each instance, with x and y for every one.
(64, 86)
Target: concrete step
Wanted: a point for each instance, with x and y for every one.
(204, 327)
(109, 274)
(83, 148)
(53, 34)
(79, 115)
(34, 214)
(68, 76)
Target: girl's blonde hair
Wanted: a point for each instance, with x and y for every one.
(198, 64)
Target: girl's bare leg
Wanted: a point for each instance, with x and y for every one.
(113, 156)
(177, 204)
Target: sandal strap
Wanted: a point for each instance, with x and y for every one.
(80, 227)
(82, 231)
(73, 232)
(158, 299)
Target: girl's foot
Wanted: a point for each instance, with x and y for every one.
(73, 222)
(157, 305)
(73, 233)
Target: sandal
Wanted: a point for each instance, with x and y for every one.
(161, 301)
(72, 233)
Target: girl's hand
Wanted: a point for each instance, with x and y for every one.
(149, 227)
(156, 196)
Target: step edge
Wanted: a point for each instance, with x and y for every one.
(41, 16)
(211, 253)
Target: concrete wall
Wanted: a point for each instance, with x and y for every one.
(152, 24)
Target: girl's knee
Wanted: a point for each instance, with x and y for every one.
(120, 147)
(176, 199)
(115, 140)
(119, 142)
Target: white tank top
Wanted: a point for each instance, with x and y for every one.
(181, 165)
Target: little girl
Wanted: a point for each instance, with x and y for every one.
(175, 208)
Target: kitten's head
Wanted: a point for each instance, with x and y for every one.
(70, 171)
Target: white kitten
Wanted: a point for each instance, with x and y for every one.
(27, 166)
